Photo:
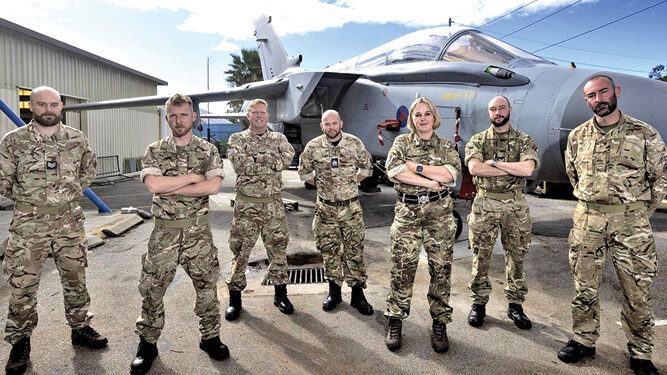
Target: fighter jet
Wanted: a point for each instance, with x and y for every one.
(459, 68)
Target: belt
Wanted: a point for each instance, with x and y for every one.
(422, 198)
(500, 196)
(182, 223)
(53, 210)
(344, 203)
(613, 208)
(255, 199)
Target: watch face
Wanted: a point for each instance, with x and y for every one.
(420, 168)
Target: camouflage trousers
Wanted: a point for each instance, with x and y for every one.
(249, 221)
(431, 225)
(193, 249)
(333, 225)
(627, 236)
(512, 216)
(31, 238)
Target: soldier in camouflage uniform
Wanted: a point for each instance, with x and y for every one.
(336, 162)
(423, 166)
(500, 158)
(616, 165)
(181, 171)
(259, 156)
(44, 168)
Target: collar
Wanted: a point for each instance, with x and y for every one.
(433, 141)
(59, 134)
(491, 134)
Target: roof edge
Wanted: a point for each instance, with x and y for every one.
(31, 33)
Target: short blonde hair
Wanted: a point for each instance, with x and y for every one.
(254, 102)
(431, 108)
(179, 99)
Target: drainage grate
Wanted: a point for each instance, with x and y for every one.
(303, 276)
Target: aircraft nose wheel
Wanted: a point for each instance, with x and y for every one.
(459, 224)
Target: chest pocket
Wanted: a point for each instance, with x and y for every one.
(69, 153)
(583, 162)
(169, 165)
(197, 162)
(502, 149)
(29, 161)
(629, 152)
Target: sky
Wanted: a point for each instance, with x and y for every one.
(173, 39)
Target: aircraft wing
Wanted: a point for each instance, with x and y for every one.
(264, 89)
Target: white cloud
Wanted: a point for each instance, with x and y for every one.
(235, 20)
(227, 46)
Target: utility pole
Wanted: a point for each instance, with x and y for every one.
(208, 104)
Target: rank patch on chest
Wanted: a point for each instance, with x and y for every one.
(334, 162)
(51, 164)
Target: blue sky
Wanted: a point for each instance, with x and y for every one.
(171, 39)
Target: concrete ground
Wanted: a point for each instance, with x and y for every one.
(312, 341)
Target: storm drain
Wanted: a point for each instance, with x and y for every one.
(303, 276)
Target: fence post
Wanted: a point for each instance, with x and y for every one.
(101, 207)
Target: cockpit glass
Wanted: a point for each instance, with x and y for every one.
(476, 47)
(472, 48)
(423, 45)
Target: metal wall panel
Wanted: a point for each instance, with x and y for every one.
(29, 62)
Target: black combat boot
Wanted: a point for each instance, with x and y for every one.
(88, 337)
(334, 298)
(393, 338)
(280, 299)
(574, 352)
(643, 367)
(146, 354)
(439, 341)
(477, 315)
(18, 357)
(359, 302)
(215, 348)
(515, 312)
(234, 309)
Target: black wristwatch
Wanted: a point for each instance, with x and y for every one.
(420, 168)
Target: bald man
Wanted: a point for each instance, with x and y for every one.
(500, 158)
(336, 162)
(44, 168)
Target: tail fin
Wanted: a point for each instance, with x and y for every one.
(272, 55)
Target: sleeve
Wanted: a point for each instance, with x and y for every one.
(364, 162)
(570, 155)
(214, 168)
(240, 159)
(529, 151)
(88, 165)
(474, 150)
(306, 169)
(280, 159)
(452, 160)
(656, 162)
(7, 169)
(395, 164)
(149, 164)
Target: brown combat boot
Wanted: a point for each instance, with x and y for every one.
(393, 338)
(18, 357)
(439, 340)
(88, 337)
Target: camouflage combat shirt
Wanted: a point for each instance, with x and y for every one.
(436, 151)
(261, 176)
(40, 170)
(164, 158)
(511, 146)
(624, 165)
(335, 167)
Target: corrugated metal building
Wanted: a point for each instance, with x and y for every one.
(29, 59)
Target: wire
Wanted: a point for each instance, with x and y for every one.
(599, 27)
(598, 66)
(507, 14)
(541, 19)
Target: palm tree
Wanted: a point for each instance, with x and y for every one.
(244, 68)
